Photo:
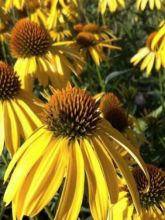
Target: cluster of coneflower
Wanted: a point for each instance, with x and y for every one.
(72, 142)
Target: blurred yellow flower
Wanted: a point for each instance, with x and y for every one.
(92, 39)
(152, 202)
(142, 4)
(112, 5)
(38, 57)
(153, 53)
(18, 113)
(74, 141)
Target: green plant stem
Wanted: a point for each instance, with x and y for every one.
(4, 159)
(48, 212)
(4, 51)
(101, 81)
(161, 91)
(2, 210)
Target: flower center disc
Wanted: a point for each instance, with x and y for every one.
(9, 82)
(156, 194)
(85, 39)
(29, 39)
(71, 112)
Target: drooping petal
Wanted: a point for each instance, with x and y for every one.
(73, 191)
(31, 155)
(124, 170)
(98, 192)
(108, 168)
(1, 128)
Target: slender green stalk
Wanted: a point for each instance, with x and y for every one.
(4, 159)
(101, 81)
(4, 51)
(48, 212)
(161, 90)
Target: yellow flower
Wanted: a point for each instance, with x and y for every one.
(153, 53)
(92, 39)
(112, 111)
(38, 57)
(75, 141)
(18, 113)
(152, 202)
(112, 4)
(142, 4)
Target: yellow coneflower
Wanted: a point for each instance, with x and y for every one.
(112, 111)
(18, 113)
(112, 5)
(92, 40)
(61, 11)
(100, 32)
(152, 202)
(152, 54)
(74, 141)
(142, 4)
(38, 57)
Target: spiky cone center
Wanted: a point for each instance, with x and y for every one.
(92, 28)
(86, 39)
(71, 112)
(112, 111)
(29, 39)
(156, 194)
(150, 39)
(9, 82)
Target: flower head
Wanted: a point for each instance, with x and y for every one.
(29, 39)
(112, 111)
(71, 112)
(153, 53)
(75, 141)
(152, 201)
(18, 113)
(38, 57)
(9, 82)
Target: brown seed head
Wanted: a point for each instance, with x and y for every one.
(29, 39)
(85, 39)
(9, 82)
(112, 111)
(71, 112)
(156, 193)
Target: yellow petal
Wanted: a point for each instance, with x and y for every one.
(1, 128)
(98, 192)
(108, 168)
(71, 200)
(26, 162)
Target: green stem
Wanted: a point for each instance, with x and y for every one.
(4, 159)
(48, 212)
(2, 210)
(101, 81)
(161, 90)
(4, 51)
